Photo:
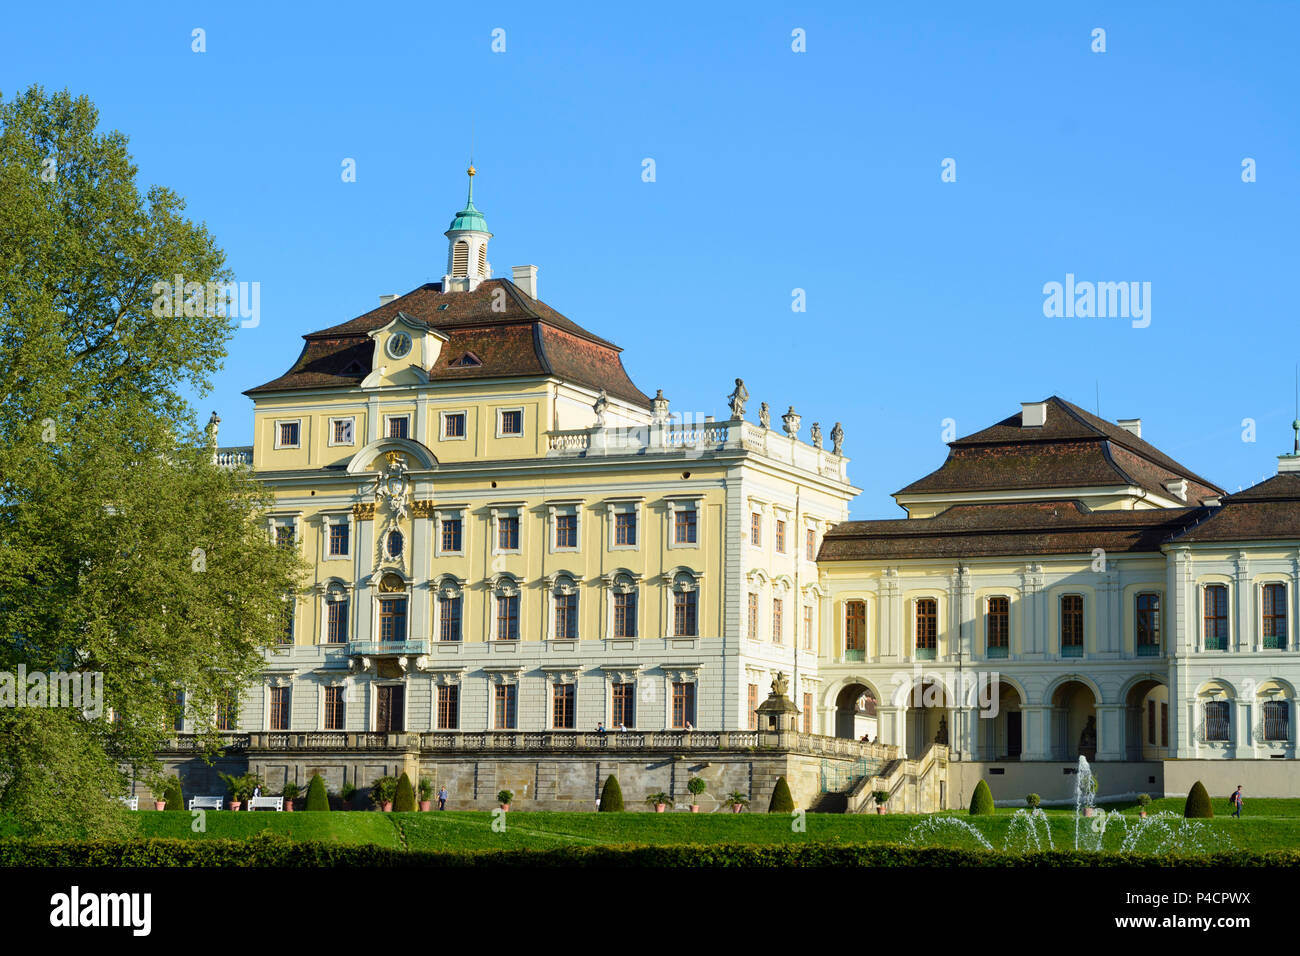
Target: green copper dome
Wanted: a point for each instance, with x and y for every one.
(469, 218)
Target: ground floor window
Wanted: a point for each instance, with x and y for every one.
(279, 708)
(683, 704)
(623, 715)
(1216, 720)
(448, 707)
(506, 699)
(563, 706)
(333, 708)
(1277, 720)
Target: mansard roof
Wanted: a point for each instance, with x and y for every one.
(521, 337)
(1269, 510)
(1062, 526)
(1072, 449)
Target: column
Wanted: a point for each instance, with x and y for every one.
(1035, 732)
(1243, 605)
(1110, 731)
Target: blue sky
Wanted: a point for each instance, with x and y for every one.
(775, 170)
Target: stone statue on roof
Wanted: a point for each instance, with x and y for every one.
(601, 407)
(737, 399)
(765, 416)
(816, 434)
(837, 438)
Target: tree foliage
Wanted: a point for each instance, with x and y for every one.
(981, 801)
(317, 798)
(404, 802)
(782, 801)
(124, 551)
(611, 796)
(1198, 802)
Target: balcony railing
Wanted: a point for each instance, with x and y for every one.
(1072, 650)
(387, 648)
(855, 654)
(925, 653)
(997, 653)
(1148, 650)
(238, 457)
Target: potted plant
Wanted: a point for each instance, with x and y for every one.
(1033, 801)
(290, 793)
(241, 787)
(737, 799)
(695, 786)
(660, 801)
(347, 793)
(426, 794)
(504, 797)
(881, 797)
(159, 790)
(382, 791)
(1143, 801)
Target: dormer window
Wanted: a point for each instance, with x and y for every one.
(468, 360)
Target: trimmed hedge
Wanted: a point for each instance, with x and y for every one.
(317, 797)
(611, 797)
(1198, 803)
(173, 795)
(404, 802)
(271, 850)
(782, 801)
(981, 801)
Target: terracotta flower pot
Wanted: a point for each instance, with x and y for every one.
(388, 806)
(160, 804)
(288, 806)
(234, 804)
(660, 807)
(737, 807)
(505, 806)
(1089, 811)
(1142, 813)
(695, 808)
(880, 811)
(426, 806)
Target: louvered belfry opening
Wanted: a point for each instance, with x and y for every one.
(482, 261)
(460, 259)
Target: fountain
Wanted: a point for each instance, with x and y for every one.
(1023, 832)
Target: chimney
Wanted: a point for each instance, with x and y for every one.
(526, 278)
(1033, 414)
(1131, 425)
(385, 299)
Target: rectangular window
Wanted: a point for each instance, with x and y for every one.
(625, 614)
(451, 535)
(399, 426)
(449, 617)
(334, 708)
(563, 710)
(505, 699)
(1147, 618)
(286, 637)
(1275, 616)
(753, 707)
(288, 435)
(756, 529)
(927, 628)
(1164, 725)
(508, 533)
(1151, 722)
(512, 422)
(780, 536)
(684, 614)
(1214, 599)
(448, 706)
(855, 627)
(683, 704)
(453, 425)
(228, 713)
(507, 617)
(1277, 720)
(566, 616)
(338, 539)
(623, 713)
(336, 631)
(625, 528)
(178, 704)
(284, 536)
(997, 627)
(753, 616)
(811, 549)
(279, 708)
(566, 531)
(807, 714)
(807, 627)
(778, 623)
(684, 526)
(341, 431)
(392, 619)
(1217, 721)
(1072, 625)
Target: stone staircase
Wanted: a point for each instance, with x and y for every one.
(914, 786)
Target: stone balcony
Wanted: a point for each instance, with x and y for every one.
(234, 457)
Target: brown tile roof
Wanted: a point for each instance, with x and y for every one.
(1268, 511)
(525, 337)
(1072, 449)
(1010, 529)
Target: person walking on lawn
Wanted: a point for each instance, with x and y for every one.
(1237, 801)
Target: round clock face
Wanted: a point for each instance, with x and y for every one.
(399, 344)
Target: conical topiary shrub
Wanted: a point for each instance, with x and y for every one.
(611, 796)
(981, 801)
(404, 802)
(1198, 802)
(317, 798)
(782, 801)
(173, 795)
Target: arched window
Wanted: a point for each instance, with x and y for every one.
(1218, 720)
(460, 258)
(1277, 720)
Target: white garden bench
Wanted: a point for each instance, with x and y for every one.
(131, 803)
(266, 803)
(206, 803)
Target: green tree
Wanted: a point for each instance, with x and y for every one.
(782, 801)
(317, 798)
(124, 551)
(404, 802)
(173, 795)
(981, 801)
(1198, 802)
(611, 796)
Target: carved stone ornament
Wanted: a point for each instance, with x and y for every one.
(837, 439)
(423, 509)
(659, 408)
(601, 408)
(791, 420)
(391, 584)
(779, 684)
(392, 486)
(816, 434)
(737, 399)
(764, 416)
(364, 511)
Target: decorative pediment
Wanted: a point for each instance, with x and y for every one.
(281, 678)
(405, 349)
(561, 673)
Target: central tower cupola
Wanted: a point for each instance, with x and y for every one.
(467, 237)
